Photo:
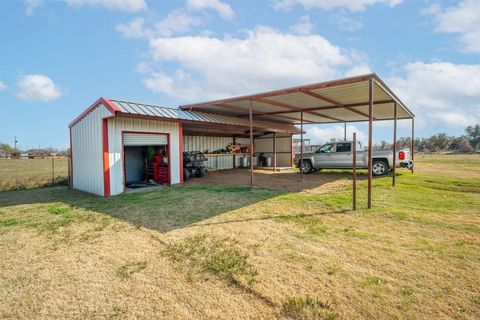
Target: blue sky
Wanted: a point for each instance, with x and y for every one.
(59, 56)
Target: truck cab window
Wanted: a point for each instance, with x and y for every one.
(344, 147)
(326, 148)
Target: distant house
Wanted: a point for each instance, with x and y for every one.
(3, 154)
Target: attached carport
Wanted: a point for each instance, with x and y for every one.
(363, 98)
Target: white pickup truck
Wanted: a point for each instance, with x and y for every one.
(338, 155)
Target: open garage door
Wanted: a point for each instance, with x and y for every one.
(144, 139)
(146, 159)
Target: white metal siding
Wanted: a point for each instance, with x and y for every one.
(144, 139)
(265, 145)
(245, 141)
(87, 151)
(115, 128)
(204, 143)
(261, 145)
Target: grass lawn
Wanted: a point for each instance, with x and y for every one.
(217, 252)
(30, 173)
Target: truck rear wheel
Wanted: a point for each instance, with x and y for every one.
(379, 167)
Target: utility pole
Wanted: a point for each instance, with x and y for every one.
(15, 143)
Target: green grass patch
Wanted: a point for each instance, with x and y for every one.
(332, 270)
(59, 210)
(374, 281)
(351, 232)
(127, 270)
(9, 222)
(306, 308)
(312, 225)
(216, 256)
(407, 291)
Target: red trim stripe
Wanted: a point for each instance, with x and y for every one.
(106, 160)
(107, 103)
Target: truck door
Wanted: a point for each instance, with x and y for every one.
(324, 156)
(343, 155)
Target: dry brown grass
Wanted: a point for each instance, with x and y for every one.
(415, 256)
(30, 173)
(284, 181)
(441, 164)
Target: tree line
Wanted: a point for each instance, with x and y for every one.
(8, 150)
(468, 142)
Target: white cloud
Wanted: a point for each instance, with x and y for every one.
(319, 135)
(121, 5)
(3, 86)
(37, 87)
(346, 20)
(224, 9)
(352, 5)
(134, 29)
(303, 26)
(358, 70)
(462, 19)
(143, 67)
(176, 22)
(441, 92)
(31, 5)
(210, 67)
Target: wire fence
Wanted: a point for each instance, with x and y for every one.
(18, 174)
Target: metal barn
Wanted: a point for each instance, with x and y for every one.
(107, 141)
(111, 140)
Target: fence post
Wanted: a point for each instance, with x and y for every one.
(53, 170)
(354, 172)
(68, 168)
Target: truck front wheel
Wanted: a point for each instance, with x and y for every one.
(379, 167)
(307, 166)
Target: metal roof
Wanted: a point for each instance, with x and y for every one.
(194, 117)
(342, 100)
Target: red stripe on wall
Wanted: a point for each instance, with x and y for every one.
(106, 160)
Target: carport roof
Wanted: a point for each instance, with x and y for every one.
(342, 100)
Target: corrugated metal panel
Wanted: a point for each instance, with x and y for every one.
(142, 139)
(349, 91)
(158, 111)
(115, 128)
(87, 151)
(265, 145)
(210, 144)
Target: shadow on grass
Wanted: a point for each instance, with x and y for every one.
(173, 207)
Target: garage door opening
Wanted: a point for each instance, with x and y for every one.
(146, 160)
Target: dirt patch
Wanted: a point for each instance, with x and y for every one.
(289, 181)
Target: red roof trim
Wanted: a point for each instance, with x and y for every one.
(107, 103)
